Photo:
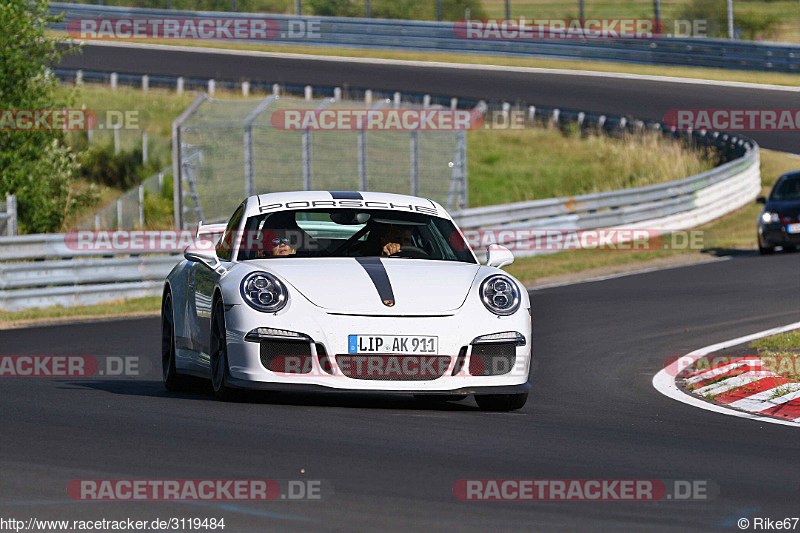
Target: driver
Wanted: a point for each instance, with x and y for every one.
(394, 238)
(276, 243)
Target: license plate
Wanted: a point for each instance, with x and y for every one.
(793, 228)
(391, 344)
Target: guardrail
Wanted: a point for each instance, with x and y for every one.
(441, 37)
(670, 206)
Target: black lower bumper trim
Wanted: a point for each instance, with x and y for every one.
(313, 387)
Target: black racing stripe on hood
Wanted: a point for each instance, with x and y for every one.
(377, 273)
(346, 195)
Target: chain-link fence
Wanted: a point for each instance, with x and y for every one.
(137, 208)
(224, 150)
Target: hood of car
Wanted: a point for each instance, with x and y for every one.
(377, 286)
(788, 209)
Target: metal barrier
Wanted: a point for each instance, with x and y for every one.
(8, 216)
(441, 37)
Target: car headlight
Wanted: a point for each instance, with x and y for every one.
(500, 295)
(769, 217)
(264, 292)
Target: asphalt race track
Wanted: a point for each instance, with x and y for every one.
(639, 98)
(592, 413)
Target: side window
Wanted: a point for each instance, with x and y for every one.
(225, 244)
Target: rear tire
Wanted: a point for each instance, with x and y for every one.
(219, 356)
(501, 402)
(173, 381)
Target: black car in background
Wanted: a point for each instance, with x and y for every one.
(779, 222)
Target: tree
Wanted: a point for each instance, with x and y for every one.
(37, 166)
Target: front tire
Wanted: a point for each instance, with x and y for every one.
(219, 356)
(501, 402)
(173, 381)
(765, 250)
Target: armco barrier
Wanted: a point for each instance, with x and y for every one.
(441, 37)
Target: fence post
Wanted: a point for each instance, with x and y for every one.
(245, 88)
(306, 147)
(276, 89)
(414, 145)
(368, 97)
(177, 159)
(362, 160)
(249, 169)
(118, 225)
(426, 101)
(309, 92)
(11, 210)
(144, 146)
(397, 97)
(141, 207)
(179, 87)
(114, 79)
(97, 221)
(249, 177)
(79, 77)
(145, 82)
(212, 85)
(116, 139)
(454, 103)
(461, 142)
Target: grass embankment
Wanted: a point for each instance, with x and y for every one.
(783, 350)
(730, 233)
(135, 306)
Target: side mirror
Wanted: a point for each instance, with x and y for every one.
(207, 257)
(761, 200)
(498, 256)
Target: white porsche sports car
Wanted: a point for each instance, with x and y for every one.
(347, 291)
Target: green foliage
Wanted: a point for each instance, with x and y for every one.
(99, 164)
(158, 207)
(713, 11)
(37, 166)
(396, 9)
(756, 24)
(332, 8)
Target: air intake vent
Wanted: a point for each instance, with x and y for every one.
(492, 359)
(286, 357)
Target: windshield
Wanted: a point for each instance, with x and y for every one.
(787, 189)
(352, 233)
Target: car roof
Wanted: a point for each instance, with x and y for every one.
(280, 201)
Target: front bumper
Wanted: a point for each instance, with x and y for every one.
(329, 332)
(775, 234)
